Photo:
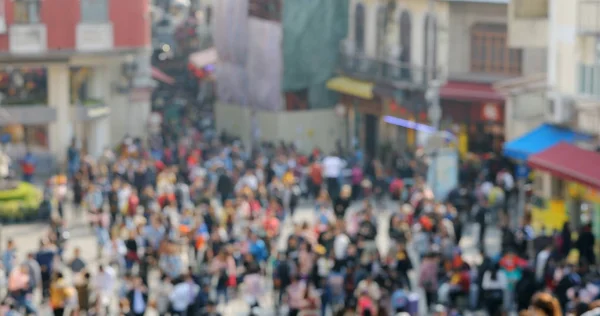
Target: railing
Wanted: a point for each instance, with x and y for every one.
(367, 68)
(589, 17)
(589, 80)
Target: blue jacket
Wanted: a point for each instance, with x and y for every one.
(259, 250)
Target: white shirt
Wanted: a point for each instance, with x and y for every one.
(508, 182)
(540, 264)
(340, 245)
(332, 166)
(183, 295)
(105, 281)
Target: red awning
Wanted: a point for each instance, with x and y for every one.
(157, 74)
(468, 91)
(569, 162)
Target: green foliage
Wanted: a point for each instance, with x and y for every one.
(21, 203)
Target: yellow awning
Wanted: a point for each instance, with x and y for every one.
(352, 87)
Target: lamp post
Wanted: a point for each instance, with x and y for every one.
(128, 72)
(434, 111)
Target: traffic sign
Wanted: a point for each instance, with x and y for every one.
(522, 171)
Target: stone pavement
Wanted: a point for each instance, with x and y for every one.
(27, 239)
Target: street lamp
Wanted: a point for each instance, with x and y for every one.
(434, 111)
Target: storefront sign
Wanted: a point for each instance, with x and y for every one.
(490, 112)
(583, 192)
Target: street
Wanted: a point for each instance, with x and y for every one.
(27, 238)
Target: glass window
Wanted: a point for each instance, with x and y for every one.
(405, 36)
(27, 11)
(490, 52)
(381, 29)
(430, 47)
(94, 11)
(359, 28)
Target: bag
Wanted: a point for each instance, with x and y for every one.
(232, 281)
(413, 304)
(494, 295)
(132, 256)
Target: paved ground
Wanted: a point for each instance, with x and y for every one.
(27, 237)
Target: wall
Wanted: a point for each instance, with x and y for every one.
(306, 128)
(130, 18)
(567, 46)
(463, 16)
(532, 32)
(131, 22)
(523, 113)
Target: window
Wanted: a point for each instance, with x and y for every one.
(297, 100)
(27, 11)
(208, 14)
(430, 47)
(359, 28)
(381, 30)
(265, 9)
(405, 37)
(558, 188)
(490, 52)
(94, 11)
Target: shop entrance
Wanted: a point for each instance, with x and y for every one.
(371, 135)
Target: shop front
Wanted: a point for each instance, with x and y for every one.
(405, 106)
(574, 181)
(477, 110)
(363, 111)
(548, 203)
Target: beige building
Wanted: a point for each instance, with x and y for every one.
(479, 57)
(567, 94)
(393, 52)
(570, 32)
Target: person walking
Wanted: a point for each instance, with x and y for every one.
(332, 170)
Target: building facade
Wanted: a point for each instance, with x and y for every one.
(271, 81)
(393, 52)
(94, 55)
(567, 95)
(480, 56)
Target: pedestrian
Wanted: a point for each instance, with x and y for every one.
(138, 298)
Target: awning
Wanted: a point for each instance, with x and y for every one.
(157, 74)
(540, 139)
(469, 91)
(569, 162)
(204, 58)
(352, 87)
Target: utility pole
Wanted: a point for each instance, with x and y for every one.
(434, 111)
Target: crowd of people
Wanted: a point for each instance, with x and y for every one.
(217, 222)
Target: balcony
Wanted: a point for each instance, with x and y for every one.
(589, 80)
(28, 39)
(381, 71)
(94, 37)
(589, 18)
(28, 114)
(89, 109)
